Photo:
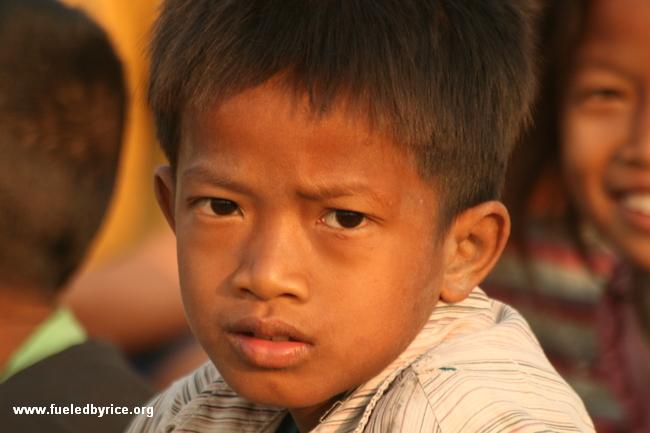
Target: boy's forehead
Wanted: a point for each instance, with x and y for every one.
(270, 113)
(273, 113)
(278, 99)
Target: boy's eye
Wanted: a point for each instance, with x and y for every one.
(344, 219)
(219, 206)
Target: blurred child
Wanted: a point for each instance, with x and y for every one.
(131, 269)
(333, 183)
(61, 118)
(590, 303)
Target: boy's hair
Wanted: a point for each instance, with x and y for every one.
(62, 102)
(450, 80)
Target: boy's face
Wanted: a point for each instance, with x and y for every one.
(606, 125)
(308, 249)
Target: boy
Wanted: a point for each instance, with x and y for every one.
(62, 102)
(334, 170)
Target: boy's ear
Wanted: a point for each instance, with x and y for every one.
(165, 192)
(472, 246)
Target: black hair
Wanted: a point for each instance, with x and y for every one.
(62, 104)
(535, 162)
(450, 80)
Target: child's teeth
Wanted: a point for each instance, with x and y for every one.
(638, 203)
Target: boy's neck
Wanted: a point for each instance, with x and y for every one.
(21, 311)
(308, 418)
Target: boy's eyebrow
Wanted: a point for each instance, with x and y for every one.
(204, 174)
(313, 191)
(322, 192)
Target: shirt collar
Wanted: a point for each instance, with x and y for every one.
(55, 334)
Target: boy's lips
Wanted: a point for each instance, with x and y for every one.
(268, 343)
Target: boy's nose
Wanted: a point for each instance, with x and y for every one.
(272, 263)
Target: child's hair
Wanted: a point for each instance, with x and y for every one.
(62, 104)
(450, 80)
(536, 159)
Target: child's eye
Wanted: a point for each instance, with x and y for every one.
(344, 219)
(219, 206)
(598, 96)
(605, 93)
(603, 98)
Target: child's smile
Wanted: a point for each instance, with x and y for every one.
(310, 252)
(606, 126)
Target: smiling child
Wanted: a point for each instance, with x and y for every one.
(334, 174)
(605, 127)
(589, 302)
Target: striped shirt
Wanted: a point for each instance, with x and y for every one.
(474, 367)
(559, 295)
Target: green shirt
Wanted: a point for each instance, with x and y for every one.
(58, 332)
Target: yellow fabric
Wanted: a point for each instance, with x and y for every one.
(133, 212)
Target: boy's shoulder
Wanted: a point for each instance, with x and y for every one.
(474, 367)
(488, 374)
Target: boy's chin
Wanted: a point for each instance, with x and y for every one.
(276, 390)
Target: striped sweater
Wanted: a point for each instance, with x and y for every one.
(474, 367)
(559, 295)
